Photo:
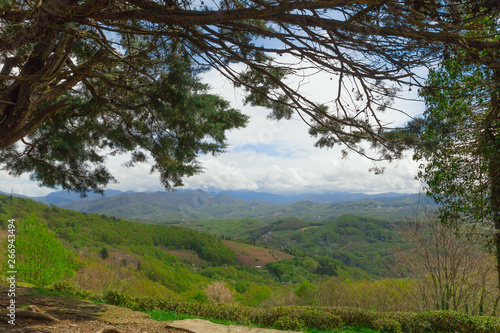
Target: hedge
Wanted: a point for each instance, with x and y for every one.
(298, 318)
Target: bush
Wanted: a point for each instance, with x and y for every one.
(387, 325)
(199, 297)
(355, 317)
(147, 303)
(66, 287)
(219, 292)
(222, 312)
(289, 323)
(299, 318)
(320, 320)
(410, 322)
(70, 288)
(115, 297)
(104, 253)
(312, 318)
(450, 321)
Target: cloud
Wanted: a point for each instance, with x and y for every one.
(21, 185)
(313, 170)
(273, 150)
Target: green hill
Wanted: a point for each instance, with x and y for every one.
(361, 242)
(139, 258)
(173, 261)
(232, 228)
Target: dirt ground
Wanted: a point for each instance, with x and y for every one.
(73, 316)
(61, 314)
(251, 256)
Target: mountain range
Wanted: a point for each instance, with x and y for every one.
(172, 207)
(62, 198)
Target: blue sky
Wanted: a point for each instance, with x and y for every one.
(270, 156)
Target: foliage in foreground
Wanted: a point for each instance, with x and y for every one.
(297, 318)
(41, 258)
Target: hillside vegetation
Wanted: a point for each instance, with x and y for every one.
(353, 241)
(160, 260)
(345, 262)
(138, 253)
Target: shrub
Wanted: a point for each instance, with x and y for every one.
(271, 316)
(312, 318)
(222, 312)
(199, 297)
(219, 292)
(70, 288)
(450, 321)
(66, 287)
(289, 323)
(387, 325)
(115, 297)
(299, 318)
(147, 303)
(104, 253)
(410, 322)
(354, 317)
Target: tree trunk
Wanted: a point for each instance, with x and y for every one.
(494, 172)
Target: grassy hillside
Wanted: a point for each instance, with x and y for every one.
(232, 228)
(139, 257)
(167, 261)
(358, 242)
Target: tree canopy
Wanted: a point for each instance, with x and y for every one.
(459, 141)
(81, 79)
(459, 146)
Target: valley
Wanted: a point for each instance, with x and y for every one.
(176, 256)
(201, 246)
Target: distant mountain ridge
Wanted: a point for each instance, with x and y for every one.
(172, 207)
(191, 199)
(61, 198)
(313, 197)
(64, 198)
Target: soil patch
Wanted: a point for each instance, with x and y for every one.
(73, 316)
(63, 314)
(251, 256)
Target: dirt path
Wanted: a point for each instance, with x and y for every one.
(61, 314)
(203, 326)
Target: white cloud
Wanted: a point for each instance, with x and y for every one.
(21, 185)
(319, 171)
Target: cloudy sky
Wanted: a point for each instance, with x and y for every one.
(269, 156)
